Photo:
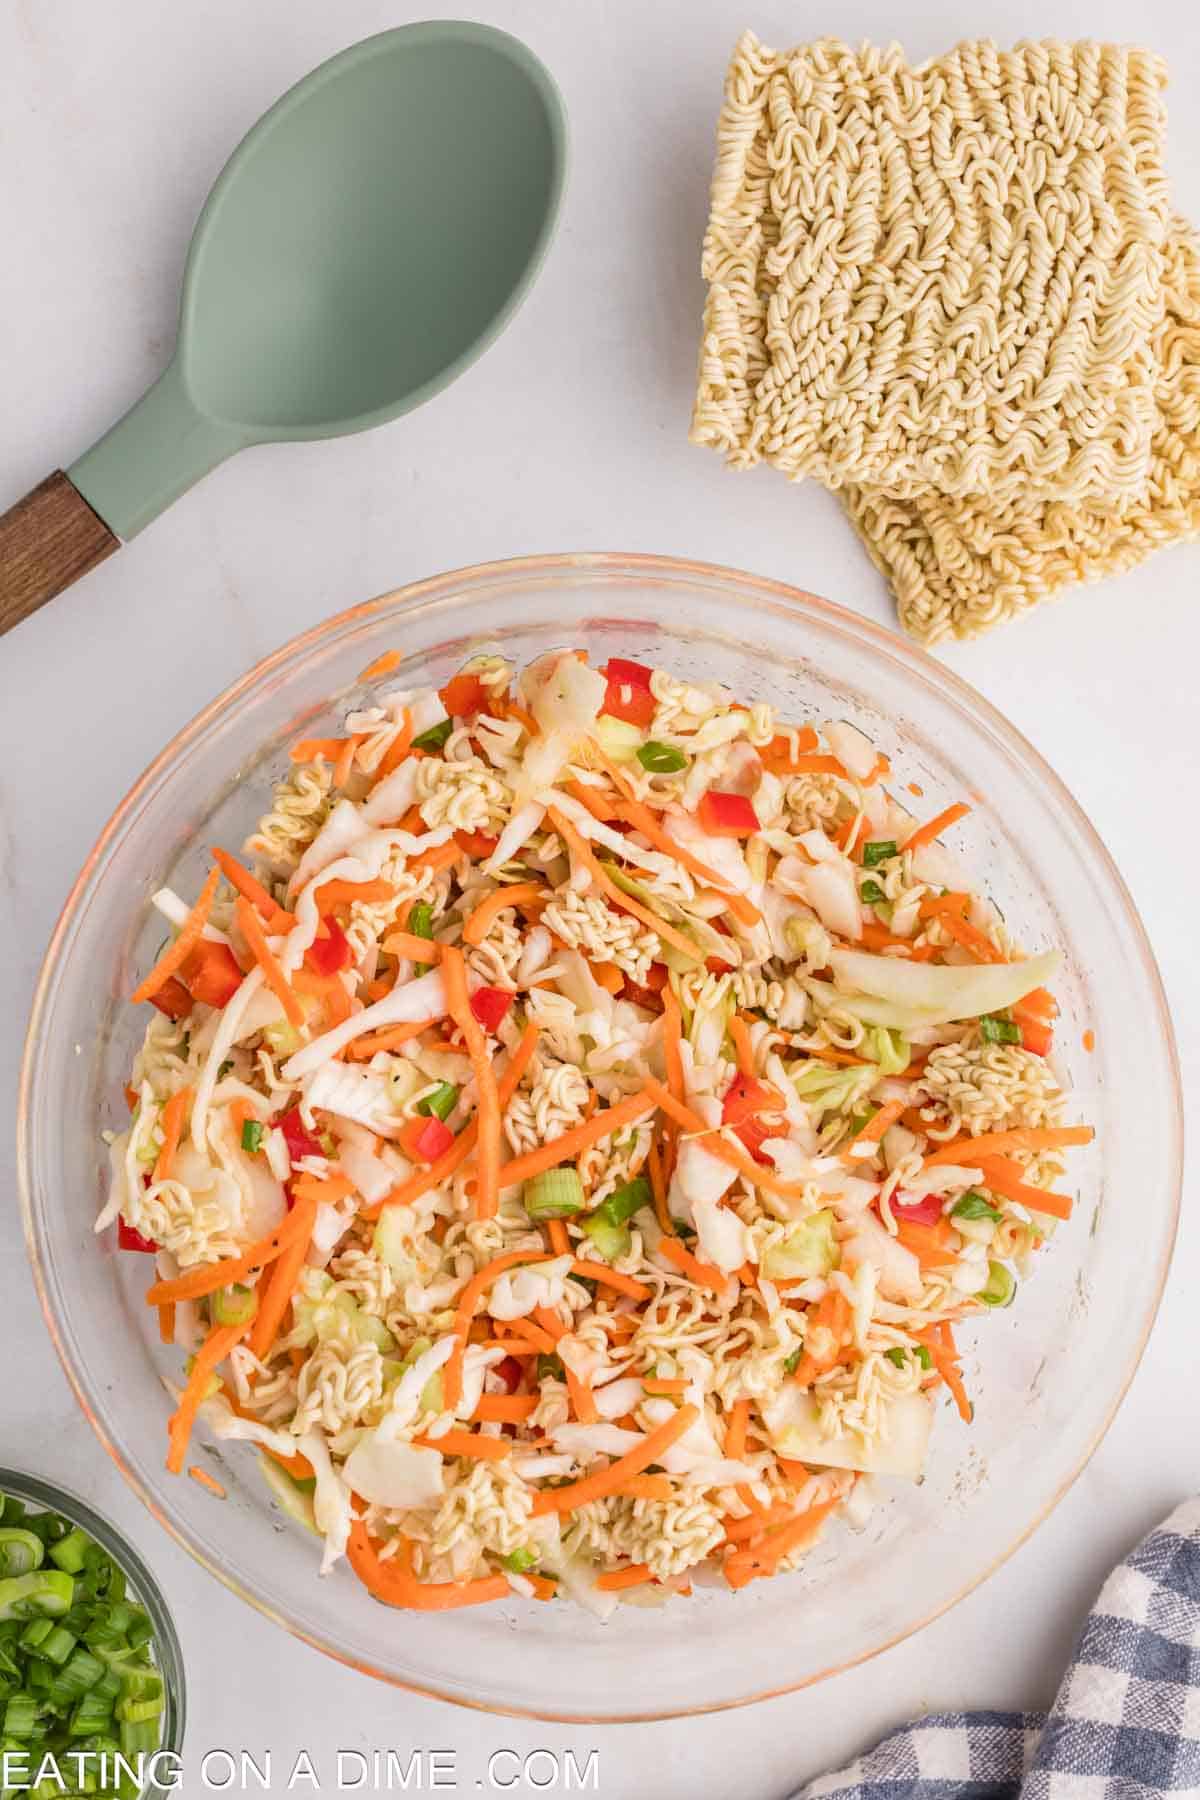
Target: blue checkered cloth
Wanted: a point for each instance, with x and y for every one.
(1125, 1725)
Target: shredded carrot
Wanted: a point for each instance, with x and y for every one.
(1039, 1006)
(875, 1128)
(647, 1487)
(389, 1038)
(171, 1124)
(617, 1580)
(395, 1584)
(208, 1481)
(550, 1323)
(720, 1147)
(397, 750)
(470, 1444)
(505, 1409)
(560, 1243)
(472, 1293)
(737, 1531)
(166, 1322)
(702, 1273)
(206, 1278)
(939, 1341)
(764, 1558)
(607, 975)
(539, 1340)
(244, 883)
(933, 828)
(1089, 1041)
(658, 1187)
(598, 801)
(415, 949)
(932, 1245)
(252, 930)
(579, 1394)
(998, 1143)
(830, 1317)
(660, 1384)
(620, 1284)
(345, 761)
(212, 1352)
(573, 1143)
(739, 1037)
(383, 665)
(1007, 1178)
(487, 1101)
(317, 749)
(823, 1053)
(334, 893)
(485, 914)
(735, 1430)
(582, 852)
(176, 954)
(440, 856)
(971, 938)
(607, 1481)
(672, 1038)
(277, 1287)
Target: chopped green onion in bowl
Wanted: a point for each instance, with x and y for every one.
(91, 1676)
(661, 759)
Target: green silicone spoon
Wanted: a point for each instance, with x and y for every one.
(365, 242)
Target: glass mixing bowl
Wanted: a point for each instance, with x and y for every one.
(1046, 1375)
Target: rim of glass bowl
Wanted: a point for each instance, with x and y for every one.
(441, 593)
(168, 1655)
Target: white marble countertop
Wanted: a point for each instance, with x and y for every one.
(571, 434)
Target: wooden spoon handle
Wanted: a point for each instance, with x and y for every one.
(47, 541)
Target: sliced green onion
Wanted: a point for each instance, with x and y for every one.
(71, 1553)
(57, 1644)
(896, 1355)
(994, 1030)
(878, 852)
(435, 737)
(141, 1684)
(621, 1206)
(1001, 1286)
(132, 1712)
(252, 1135)
(519, 1560)
(420, 919)
(923, 1357)
(81, 1672)
(661, 759)
(35, 1633)
(235, 1305)
(792, 1363)
(20, 1551)
(48, 1591)
(441, 1103)
(140, 1737)
(873, 894)
(139, 1630)
(21, 1715)
(92, 1714)
(608, 1240)
(554, 1194)
(550, 1368)
(973, 1206)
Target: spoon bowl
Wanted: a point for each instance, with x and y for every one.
(366, 241)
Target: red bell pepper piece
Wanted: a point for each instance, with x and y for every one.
(746, 1099)
(1037, 1037)
(919, 1212)
(647, 994)
(463, 695)
(489, 1005)
(296, 1135)
(212, 974)
(628, 695)
(726, 815)
(172, 999)
(509, 1372)
(129, 1239)
(330, 954)
(426, 1139)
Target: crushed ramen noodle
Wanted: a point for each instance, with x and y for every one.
(569, 1156)
(898, 307)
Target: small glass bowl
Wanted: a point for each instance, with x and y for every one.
(1047, 1375)
(42, 1496)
